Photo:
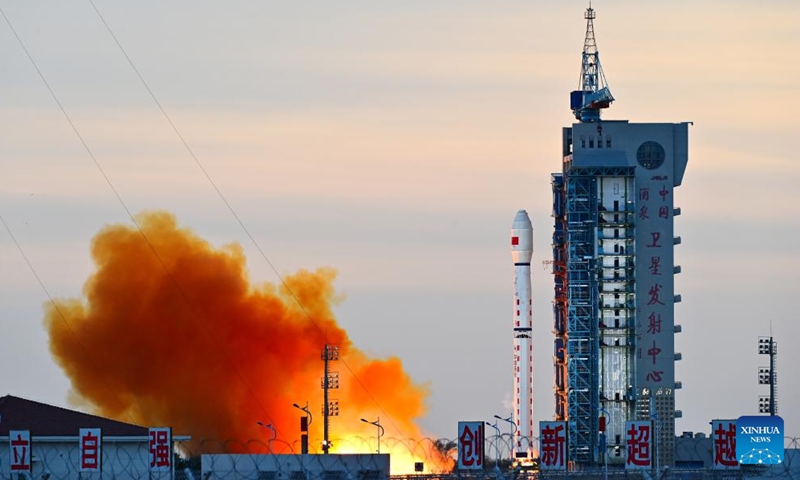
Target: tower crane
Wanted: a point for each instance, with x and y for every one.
(593, 93)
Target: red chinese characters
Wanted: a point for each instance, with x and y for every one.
(470, 445)
(654, 325)
(91, 449)
(724, 435)
(655, 265)
(654, 292)
(655, 289)
(656, 237)
(20, 450)
(654, 376)
(553, 445)
(160, 449)
(638, 445)
(653, 352)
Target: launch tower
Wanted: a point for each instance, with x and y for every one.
(614, 272)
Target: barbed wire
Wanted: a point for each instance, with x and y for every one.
(352, 459)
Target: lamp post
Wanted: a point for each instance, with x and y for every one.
(381, 431)
(657, 442)
(274, 435)
(496, 449)
(513, 431)
(305, 409)
(304, 423)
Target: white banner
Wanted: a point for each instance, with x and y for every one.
(91, 445)
(639, 445)
(160, 449)
(553, 445)
(19, 442)
(470, 445)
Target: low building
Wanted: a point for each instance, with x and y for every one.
(296, 467)
(45, 441)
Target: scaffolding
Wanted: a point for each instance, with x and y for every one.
(594, 306)
(582, 321)
(560, 298)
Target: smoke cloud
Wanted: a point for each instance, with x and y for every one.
(171, 332)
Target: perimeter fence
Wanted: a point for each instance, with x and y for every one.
(259, 459)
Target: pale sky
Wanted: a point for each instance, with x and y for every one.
(395, 142)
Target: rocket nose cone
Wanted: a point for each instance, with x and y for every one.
(522, 221)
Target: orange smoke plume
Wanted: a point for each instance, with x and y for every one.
(172, 333)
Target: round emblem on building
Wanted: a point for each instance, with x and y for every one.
(650, 155)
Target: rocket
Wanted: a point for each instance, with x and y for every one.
(521, 253)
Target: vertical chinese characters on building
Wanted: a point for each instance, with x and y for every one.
(638, 443)
(160, 449)
(19, 450)
(91, 446)
(470, 445)
(553, 445)
(655, 346)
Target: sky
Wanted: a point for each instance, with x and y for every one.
(395, 142)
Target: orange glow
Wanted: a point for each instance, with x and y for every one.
(183, 339)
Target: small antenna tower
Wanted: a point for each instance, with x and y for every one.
(593, 93)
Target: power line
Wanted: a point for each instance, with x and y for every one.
(226, 202)
(60, 313)
(127, 211)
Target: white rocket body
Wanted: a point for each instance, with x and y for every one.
(521, 253)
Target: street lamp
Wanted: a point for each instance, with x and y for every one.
(274, 435)
(381, 431)
(305, 409)
(513, 431)
(496, 449)
(304, 423)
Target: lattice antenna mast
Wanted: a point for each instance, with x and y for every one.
(593, 93)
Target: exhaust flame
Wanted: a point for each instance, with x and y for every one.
(183, 339)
